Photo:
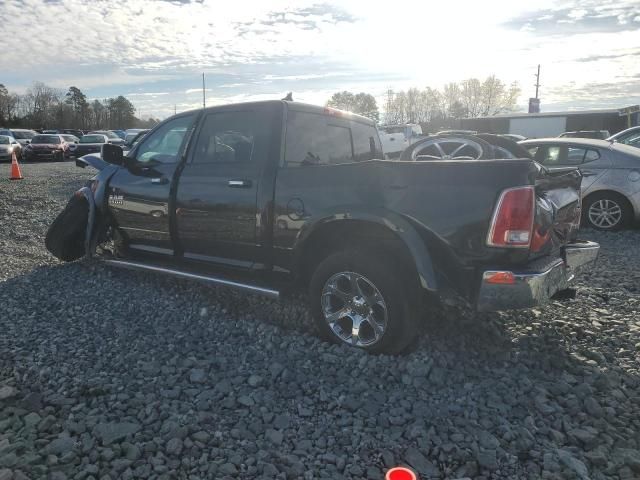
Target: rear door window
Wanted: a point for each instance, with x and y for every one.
(338, 145)
(559, 155)
(366, 142)
(314, 139)
(575, 156)
(591, 155)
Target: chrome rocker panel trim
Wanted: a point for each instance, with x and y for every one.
(218, 281)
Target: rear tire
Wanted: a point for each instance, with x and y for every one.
(381, 301)
(607, 211)
(66, 235)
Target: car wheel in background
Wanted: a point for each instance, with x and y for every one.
(606, 211)
(362, 299)
(504, 147)
(448, 147)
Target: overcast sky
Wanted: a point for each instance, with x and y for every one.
(154, 51)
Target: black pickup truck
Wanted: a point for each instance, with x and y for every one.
(272, 195)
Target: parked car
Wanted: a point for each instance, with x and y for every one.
(456, 132)
(513, 136)
(610, 176)
(120, 133)
(70, 139)
(51, 132)
(396, 138)
(111, 136)
(9, 145)
(46, 147)
(272, 195)
(23, 136)
(133, 137)
(72, 131)
(90, 143)
(596, 134)
(630, 136)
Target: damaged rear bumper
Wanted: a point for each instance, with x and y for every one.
(507, 290)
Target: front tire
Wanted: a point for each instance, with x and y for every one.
(364, 300)
(607, 211)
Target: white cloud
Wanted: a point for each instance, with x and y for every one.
(255, 49)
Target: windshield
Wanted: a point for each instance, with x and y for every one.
(92, 139)
(23, 135)
(45, 139)
(5, 140)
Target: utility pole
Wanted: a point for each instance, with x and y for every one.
(174, 109)
(389, 104)
(203, 97)
(534, 102)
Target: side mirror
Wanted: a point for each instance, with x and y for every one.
(112, 154)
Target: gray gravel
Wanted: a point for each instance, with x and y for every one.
(109, 374)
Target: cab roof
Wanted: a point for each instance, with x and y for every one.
(299, 107)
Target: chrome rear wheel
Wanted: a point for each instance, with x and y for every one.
(354, 309)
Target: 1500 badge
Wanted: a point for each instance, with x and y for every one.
(116, 199)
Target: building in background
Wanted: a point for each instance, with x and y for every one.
(552, 124)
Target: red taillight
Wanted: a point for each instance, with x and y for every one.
(500, 278)
(512, 221)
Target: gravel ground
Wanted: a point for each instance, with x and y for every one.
(109, 374)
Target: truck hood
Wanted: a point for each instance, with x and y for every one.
(93, 160)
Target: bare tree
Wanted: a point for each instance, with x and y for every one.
(8, 104)
(362, 103)
(471, 96)
(42, 102)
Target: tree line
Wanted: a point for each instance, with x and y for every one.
(42, 106)
(434, 107)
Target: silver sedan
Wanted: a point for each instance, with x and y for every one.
(611, 176)
(9, 146)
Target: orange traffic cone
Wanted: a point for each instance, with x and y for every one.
(16, 174)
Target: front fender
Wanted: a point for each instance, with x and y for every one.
(96, 193)
(395, 223)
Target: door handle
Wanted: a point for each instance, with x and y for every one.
(239, 183)
(159, 181)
